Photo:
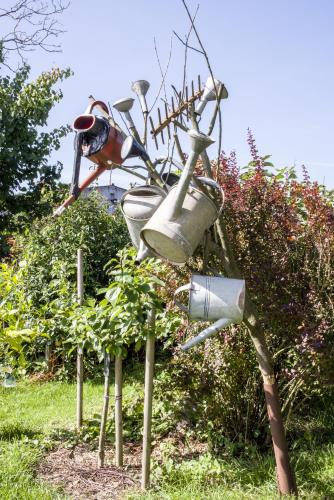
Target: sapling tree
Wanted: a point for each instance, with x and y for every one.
(121, 317)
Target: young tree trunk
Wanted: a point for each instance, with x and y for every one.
(104, 416)
(285, 475)
(118, 412)
(80, 292)
(149, 371)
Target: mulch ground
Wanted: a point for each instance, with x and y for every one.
(76, 472)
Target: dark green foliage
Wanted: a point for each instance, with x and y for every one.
(40, 286)
(49, 249)
(214, 392)
(25, 147)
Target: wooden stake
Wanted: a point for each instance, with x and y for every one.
(149, 371)
(48, 351)
(118, 412)
(80, 291)
(79, 388)
(104, 416)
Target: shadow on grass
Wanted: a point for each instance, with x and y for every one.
(16, 432)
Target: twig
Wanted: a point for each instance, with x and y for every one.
(32, 24)
(162, 74)
(131, 173)
(204, 53)
(187, 45)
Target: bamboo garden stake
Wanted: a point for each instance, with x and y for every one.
(80, 291)
(149, 371)
(118, 412)
(104, 416)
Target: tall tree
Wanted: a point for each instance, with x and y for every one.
(24, 147)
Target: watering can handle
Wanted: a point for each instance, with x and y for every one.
(177, 291)
(100, 104)
(214, 184)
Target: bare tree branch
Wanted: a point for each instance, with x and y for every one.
(32, 24)
(163, 74)
(186, 53)
(185, 43)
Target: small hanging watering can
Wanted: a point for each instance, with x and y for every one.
(138, 205)
(177, 227)
(213, 298)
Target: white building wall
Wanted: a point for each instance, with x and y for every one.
(111, 193)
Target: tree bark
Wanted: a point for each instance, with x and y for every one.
(285, 475)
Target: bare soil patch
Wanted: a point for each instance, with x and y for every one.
(76, 472)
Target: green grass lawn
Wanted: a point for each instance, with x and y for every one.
(45, 406)
(27, 413)
(33, 410)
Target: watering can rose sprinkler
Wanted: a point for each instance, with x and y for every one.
(209, 94)
(140, 87)
(123, 106)
(213, 298)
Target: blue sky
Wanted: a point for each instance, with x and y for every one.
(275, 58)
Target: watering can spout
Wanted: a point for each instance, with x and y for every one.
(199, 142)
(211, 330)
(143, 252)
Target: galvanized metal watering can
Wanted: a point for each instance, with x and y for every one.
(177, 227)
(213, 298)
(138, 205)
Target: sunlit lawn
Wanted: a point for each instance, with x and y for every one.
(32, 410)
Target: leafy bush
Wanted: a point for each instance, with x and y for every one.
(282, 231)
(122, 316)
(49, 248)
(15, 315)
(40, 284)
(214, 392)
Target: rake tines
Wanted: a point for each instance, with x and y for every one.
(176, 113)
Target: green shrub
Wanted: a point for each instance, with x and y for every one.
(40, 284)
